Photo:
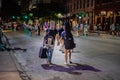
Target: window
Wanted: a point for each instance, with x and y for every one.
(71, 8)
(83, 3)
(68, 9)
(77, 4)
(80, 4)
(91, 2)
(74, 5)
(87, 3)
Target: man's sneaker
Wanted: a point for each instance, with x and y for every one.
(65, 63)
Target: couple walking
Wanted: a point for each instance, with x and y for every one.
(49, 41)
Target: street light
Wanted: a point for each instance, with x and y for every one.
(81, 14)
(30, 14)
(103, 13)
(60, 15)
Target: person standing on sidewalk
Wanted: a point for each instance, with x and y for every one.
(30, 28)
(68, 42)
(112, 29)
(98, 29)
(118, 29)
(76, 28)
(36, 27)
(85, 29)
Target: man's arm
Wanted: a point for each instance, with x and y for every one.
(57, 38)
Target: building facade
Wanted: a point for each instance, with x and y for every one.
(106, 13)
(85, 7)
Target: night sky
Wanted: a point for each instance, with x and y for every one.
(10, 7)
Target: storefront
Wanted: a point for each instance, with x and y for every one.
(106, 18)
(117, 19)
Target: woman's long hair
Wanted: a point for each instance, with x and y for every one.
(68, 29)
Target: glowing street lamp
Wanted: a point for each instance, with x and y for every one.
(81, 14)
(103, 13)
(13, 17)
(30, 14)
(60, 15)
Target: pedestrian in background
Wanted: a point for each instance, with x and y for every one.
(98, 29)
(85, 29)
(60, 42)
(76, 28)
(30, 28)
(45, 26)
(118, 29)
(25, 27)
(112, 29)
(36, 27)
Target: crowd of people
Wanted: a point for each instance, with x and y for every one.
(52, 33)
(62, 34)
(114, 29)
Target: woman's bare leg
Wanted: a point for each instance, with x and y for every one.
(66, 56)
(70, 56)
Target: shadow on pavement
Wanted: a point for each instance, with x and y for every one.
(70, 68)
(76, 51)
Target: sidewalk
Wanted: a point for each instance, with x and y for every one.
(8, 69)
(103, 34)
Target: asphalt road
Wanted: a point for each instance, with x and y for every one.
(94, 58)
